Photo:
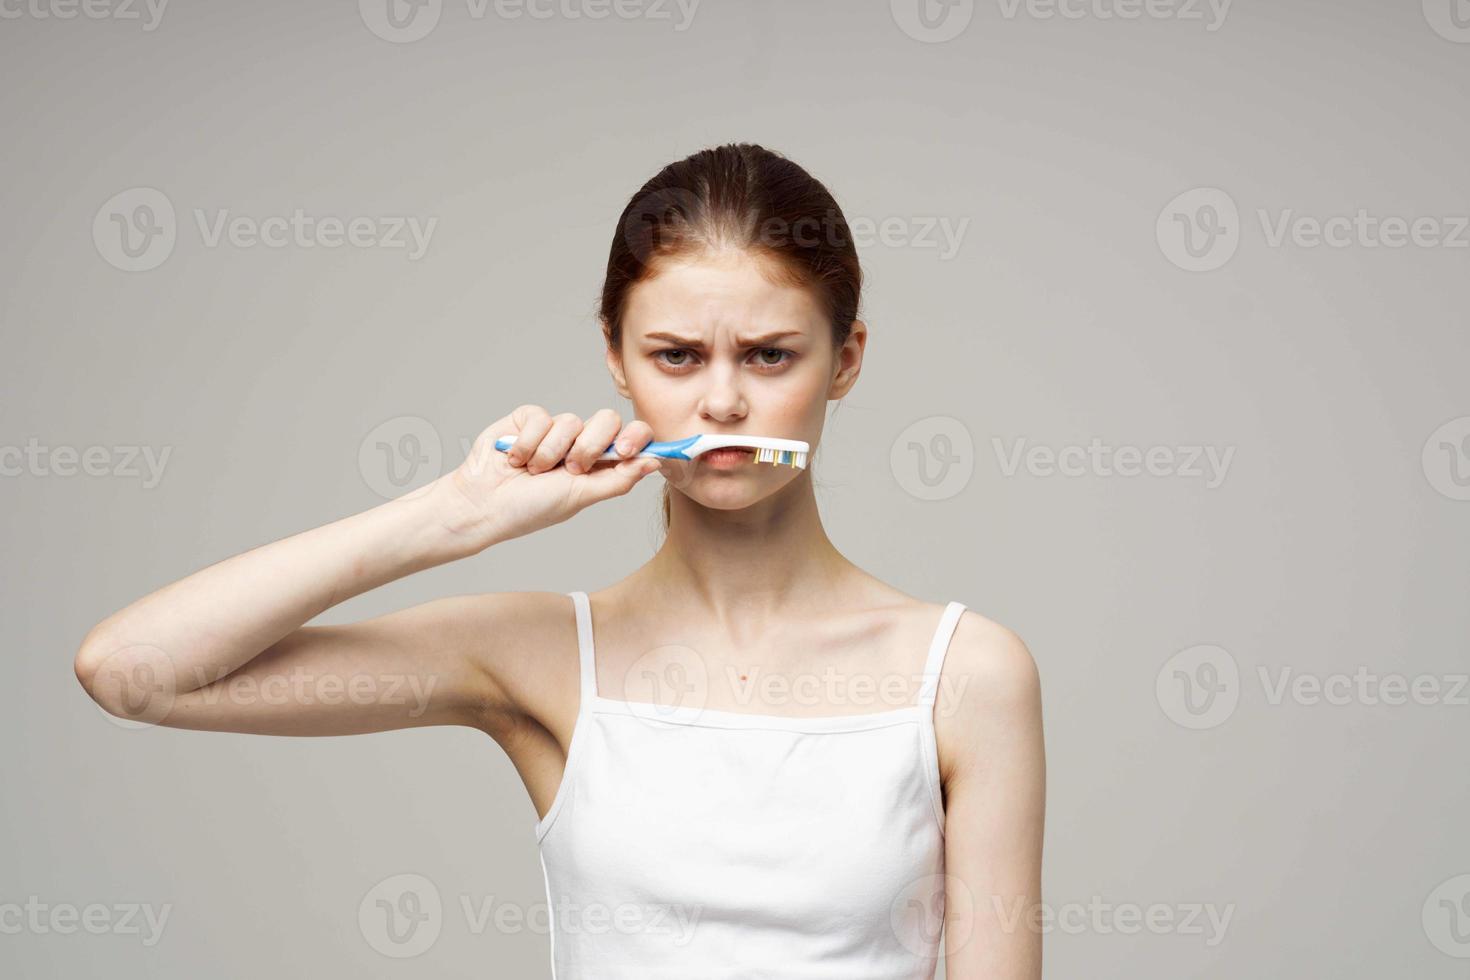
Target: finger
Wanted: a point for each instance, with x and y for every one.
(532, 422)
(553, 446)
(483, 450)
(597, 434)
(636, 434)
(615, 480)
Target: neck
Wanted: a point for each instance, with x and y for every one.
(759, 561)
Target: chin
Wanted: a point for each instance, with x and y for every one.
(731, 490)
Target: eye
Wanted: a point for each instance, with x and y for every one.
(681, 359)
(682, 356)
(783, 355)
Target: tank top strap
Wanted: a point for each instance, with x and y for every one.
(586, 654)
(937, 649)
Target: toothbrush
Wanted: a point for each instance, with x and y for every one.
(767, 449)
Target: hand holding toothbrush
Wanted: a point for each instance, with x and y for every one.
(553, 469)
(530, 469)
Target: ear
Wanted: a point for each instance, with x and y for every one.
(615, 368)
(849, 361)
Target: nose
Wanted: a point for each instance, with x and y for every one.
(722, 399)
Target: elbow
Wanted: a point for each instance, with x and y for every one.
(85, 664)
(127, 680)
(88, 666)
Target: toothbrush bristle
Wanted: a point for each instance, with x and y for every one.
(779, 456)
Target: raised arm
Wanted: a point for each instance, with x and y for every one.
(995, 804)
(225, 648)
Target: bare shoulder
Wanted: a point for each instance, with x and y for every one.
(989, 692)
(994, 657)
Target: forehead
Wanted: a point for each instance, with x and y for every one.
(732, 288)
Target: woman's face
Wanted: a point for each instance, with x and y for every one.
(713, 345)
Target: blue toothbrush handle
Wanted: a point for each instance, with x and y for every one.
(668, 450)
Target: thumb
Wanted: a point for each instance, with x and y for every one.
(616, 480)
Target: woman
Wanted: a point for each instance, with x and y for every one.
(725, 827)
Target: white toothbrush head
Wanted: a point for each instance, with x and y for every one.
(768, 449)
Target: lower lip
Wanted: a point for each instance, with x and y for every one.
(725, 459)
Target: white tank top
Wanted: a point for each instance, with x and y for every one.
(686, 843)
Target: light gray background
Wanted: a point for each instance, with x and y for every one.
(1330, 546)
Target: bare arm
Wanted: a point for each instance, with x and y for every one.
(995, 813)
(226, 649)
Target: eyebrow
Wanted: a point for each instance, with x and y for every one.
(760, 340)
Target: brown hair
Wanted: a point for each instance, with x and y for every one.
(739, 195)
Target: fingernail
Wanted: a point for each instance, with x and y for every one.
(573, 466)
(622, 448)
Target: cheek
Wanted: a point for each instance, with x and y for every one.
(805, 397)
(656, 398)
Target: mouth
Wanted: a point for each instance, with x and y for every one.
(726, 458)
